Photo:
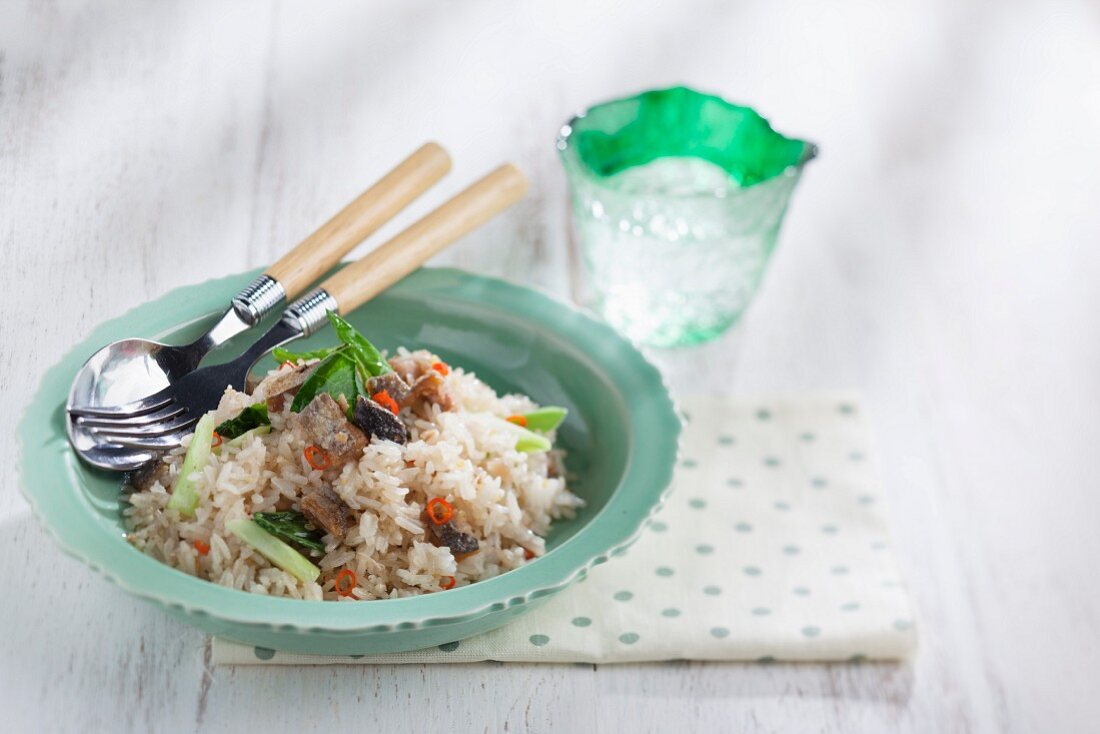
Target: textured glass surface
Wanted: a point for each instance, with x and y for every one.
(677, 201)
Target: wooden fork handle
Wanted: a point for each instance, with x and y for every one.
(393, 260)
(318, 253)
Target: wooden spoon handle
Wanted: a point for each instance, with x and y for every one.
(393, 260)
(318, 253)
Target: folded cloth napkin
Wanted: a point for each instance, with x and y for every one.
(772, 546)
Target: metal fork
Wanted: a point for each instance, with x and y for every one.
(161, 421)
(127, 369)
(142, 366)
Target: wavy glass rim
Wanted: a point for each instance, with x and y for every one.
(565, 132)
(46, 462)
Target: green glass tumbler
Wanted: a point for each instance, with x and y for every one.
(678, 197)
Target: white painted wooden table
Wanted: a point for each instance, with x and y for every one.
(942, 255)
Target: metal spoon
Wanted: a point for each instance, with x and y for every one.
(161, 421)
(132, 369)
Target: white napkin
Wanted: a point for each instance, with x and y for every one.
(772, 546)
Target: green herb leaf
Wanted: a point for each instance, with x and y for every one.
(361, 388)
(291, 527)
(526, 441)
(334, 375)
(366, 355)
(529, 442)
(545, 419)
(251, 417)
(273, 549)
(239, 440)
(285, 355)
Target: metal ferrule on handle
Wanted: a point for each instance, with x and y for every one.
(258, 299)
(310, 312)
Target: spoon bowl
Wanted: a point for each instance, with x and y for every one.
(128, 370)
(131, 369)
(122, 371)
(159, 420)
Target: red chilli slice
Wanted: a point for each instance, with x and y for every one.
(448, 583)
(439, 510)
(317, 457)
(202, 547)
(345, 582)
(217, 440)
(383, 398)
(519, 420)
(441, 368)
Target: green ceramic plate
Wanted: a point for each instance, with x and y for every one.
(622, 437)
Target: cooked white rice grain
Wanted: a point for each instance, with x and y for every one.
(506, 499)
